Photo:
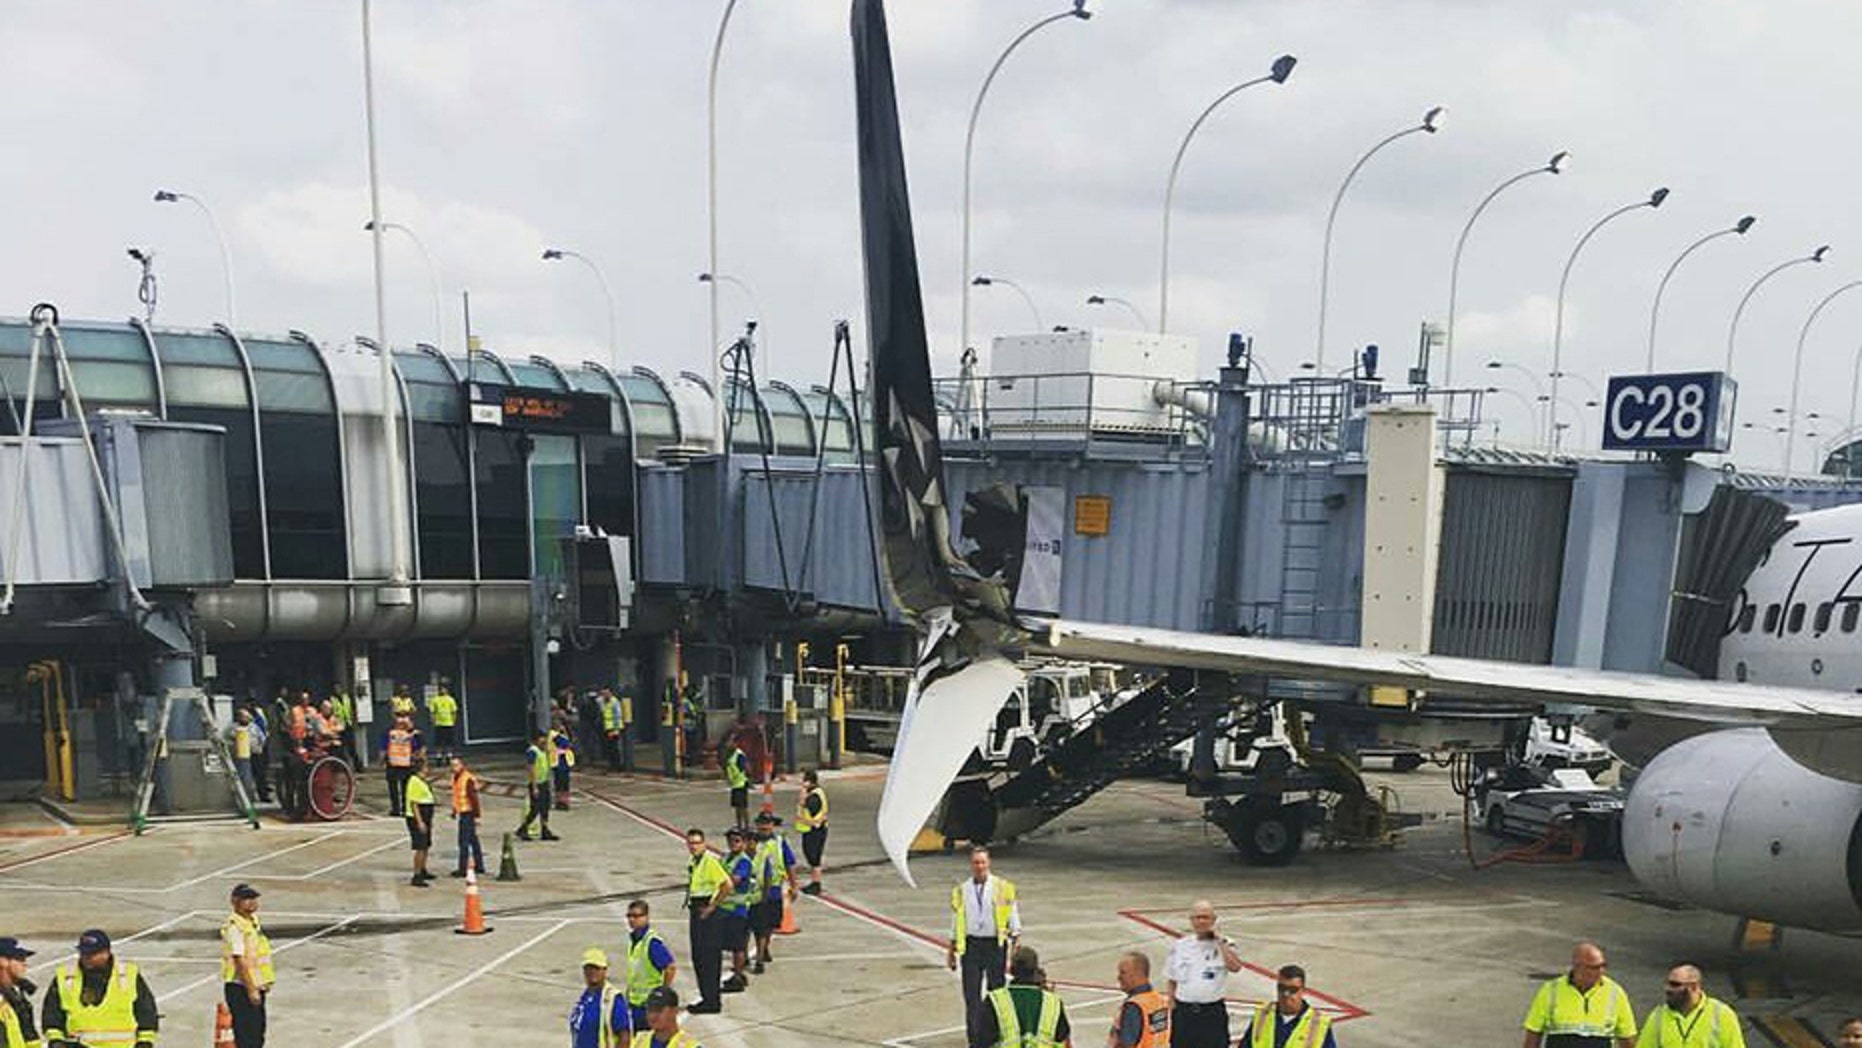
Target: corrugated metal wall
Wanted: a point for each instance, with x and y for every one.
(1503, 539)
(837, 567)
(662, 526)
(1152, 567)
(183, 485)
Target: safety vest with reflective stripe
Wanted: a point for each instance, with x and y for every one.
(111, 1021)
(772, 866)
(539, 764)
(1309, 1032)
(257, 946)
(463, 789)
(734, 765)
(642, 977)
(703, 877)
(679, 1040)
(1005, 906)
(741, 897)
(400, 748)
(443, 708)
(610, 713)
(1009, 1032)
(1671, 1030)
(12, 1031)
(805, 822)
(1560, 1009)
(1154, 1029)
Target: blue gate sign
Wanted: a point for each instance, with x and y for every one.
(1678, 413)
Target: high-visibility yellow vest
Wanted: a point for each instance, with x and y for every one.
(1009, 1032)
(257, 946)
(741, 898)
(418, 792)
(242, 742)
(1309, 1032)
(642, 977)
(734, 768)
(679, 1040)
(443, 708)
(1716, 1026)
(1561, 1009)
(539, 765)
(12, 1031)
(401, 704)
(111, 1021)
(703, 877)
(771, 867)
(1005, 907)
(610, 713)
(805, 822)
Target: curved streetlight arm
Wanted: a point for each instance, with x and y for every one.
(1454, 268)
(1170, 194)
(1331, 218)
(1114, 300)
(1033, 310)
(1564, 281)
(163, 196)
(607, 295)
(1538, 388)
(1655, 309)
(433, 277)
(1797, 370)
(1732, 329)
(969, 151)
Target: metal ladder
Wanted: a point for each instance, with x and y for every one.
(1315, 411)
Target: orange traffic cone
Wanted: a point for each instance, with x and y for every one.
(222, 1026)
(474, 908)
(788, 925)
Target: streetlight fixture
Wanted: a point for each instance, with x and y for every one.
(1538, 388)
(1114, 300)
(1738, 228)
(1076, 11)
(1532, 408)
(756, 309)
(982, 281)
(1797, 369)
(1564, 279)
(1732, 329)
(1556, 165)
(433, 275)
(169, 196)
(1276, 74)
(1431, 123)
(711, 220)
(557, 254)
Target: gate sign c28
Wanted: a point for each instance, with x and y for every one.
(1678, 413)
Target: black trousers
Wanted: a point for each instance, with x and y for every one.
(539, 808)
(248, 1018)
(397, 788)
(1199, 1025)
(707, 944)
(982, 965)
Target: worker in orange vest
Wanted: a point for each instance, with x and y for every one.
(399, 750)
(468, 809)
(1144, 1019)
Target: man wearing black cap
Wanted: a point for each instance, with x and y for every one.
(16, 1025)
(663, 1023)
(246, 967)
(775, 880)
(100, 1001)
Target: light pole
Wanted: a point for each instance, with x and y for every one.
(1077, 11)
(1797, 369)
(756, 309)
(557, 254)
(1596, 391)
(1564, 279)
(396, 592)
(1849, 432)
(1114, 300)
(1276, 74)
(1431, 123)
(1655, 309)
(433, 276)
(1556, 165)
(1538, 388)
(1732, 329)
(169, 196)
(983, 281)
(711, 219)
(1532, 409)
(1578, 414)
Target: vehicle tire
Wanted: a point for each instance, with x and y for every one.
(1496, 821)
(331, 789)
(1267, 833)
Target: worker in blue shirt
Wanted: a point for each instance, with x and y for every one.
(1289, 1020)
(775, 874)
(650, 963)
(741, 865)
(601, 1018)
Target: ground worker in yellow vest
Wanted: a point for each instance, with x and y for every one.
(1143, 1021)
(600, 1018)
(811, 821)
(1023, 1014)
(443, 709)
(419, 816)
(737, 774)
(537, 762)
(246, 967)
(609, 706)
(775, 884)
(1583, 1008)
(649, 961)
(18, 1026)
(1289, 1022)
(708, 884)
(401, 704)
(100, 1001)
(1688, 1018)
(985, 922)
(663, 1023)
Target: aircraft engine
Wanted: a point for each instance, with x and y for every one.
(1728, 822)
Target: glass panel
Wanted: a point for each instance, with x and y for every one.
(589, 382)
(745, 422)
(293, 391)
(445, 511)
(431, 403)
(535, 375)
(494, 703)
(503, 510)
(242, 483)
(556, 487)
(178, 348)
(419, 367)
(120, 344)
(304, 496)
(283, 356)
(643, 390)
(194, 385)
(114, 382)
(610, 483)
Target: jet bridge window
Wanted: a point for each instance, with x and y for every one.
(1821, 624)
(1796, 622)
(1851, 611)
(1771, 618)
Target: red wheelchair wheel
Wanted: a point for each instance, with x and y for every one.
(332, 789)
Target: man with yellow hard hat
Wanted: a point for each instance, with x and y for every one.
(600, 1018)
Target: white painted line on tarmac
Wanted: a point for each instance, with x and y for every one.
(167, 995)
(471, 977)
(321, 870)
(62, 852)
(224, 870)
(164, 926)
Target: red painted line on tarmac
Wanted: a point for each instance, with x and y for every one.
(1346, 1010)
(55, 852)
(659, 824)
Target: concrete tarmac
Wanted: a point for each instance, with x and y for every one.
(1403, 947)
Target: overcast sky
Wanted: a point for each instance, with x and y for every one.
(509, 125)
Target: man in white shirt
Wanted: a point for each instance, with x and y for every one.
(1194, 978)
(986, 921)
